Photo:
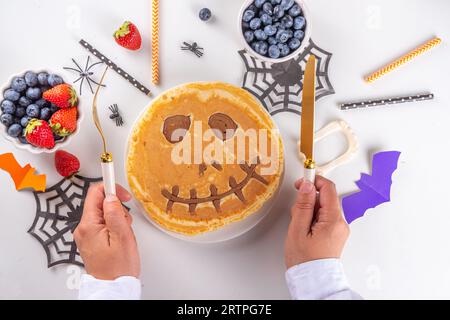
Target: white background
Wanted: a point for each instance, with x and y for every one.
(398, 250)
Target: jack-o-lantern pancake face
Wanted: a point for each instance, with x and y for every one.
(204, 155)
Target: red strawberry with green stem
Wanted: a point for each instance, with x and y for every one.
(64, 121)
(128, 36)
(66, 163)
(39, 134)
(62, 95)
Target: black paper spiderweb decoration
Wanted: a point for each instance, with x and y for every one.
(85, 74)
(58, 212)
(278, 86)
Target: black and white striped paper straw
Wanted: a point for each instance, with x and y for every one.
(114, 66)
(386, 101)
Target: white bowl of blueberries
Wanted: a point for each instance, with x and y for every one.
(22, 101)
(274, 30)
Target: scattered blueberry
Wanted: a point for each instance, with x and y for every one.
(284, 49)
(31, 78)
(272, 40)
(287, 22)
(46, 113)
(267, 8)
(299, 22)
(42, 103)
(286, 4)
(24, 121)
(282, 36)
(18, 84)
(11, 95)
(295, 10)
(259, 3)
(260, 35)
(14, 130)
(8, 107)
(248, 15)
(43, 78)
(24, 101)
(266, 19)
(278, 12)
(270, 30)
(294, 43)
(274, 51)
(249, 36)
(33, 111)
(255, 23)
(299, 34)
(33, 93)
(6, 119)
(204, 14)
(54, 80)
(20, 112)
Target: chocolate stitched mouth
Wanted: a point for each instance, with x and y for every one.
(214, 197)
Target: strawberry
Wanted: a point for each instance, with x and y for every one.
(64, 121)
(62, 95)
(128, 36)
(39, 134)
(66, 163)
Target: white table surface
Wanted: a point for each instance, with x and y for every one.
(398, 250)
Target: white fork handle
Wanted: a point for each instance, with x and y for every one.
(109, 180)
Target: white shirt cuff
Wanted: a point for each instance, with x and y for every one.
(319, 279)
(122, 288)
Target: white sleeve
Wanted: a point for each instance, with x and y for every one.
(122, 288)
(319, 279)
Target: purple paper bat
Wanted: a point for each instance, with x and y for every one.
(375, 189)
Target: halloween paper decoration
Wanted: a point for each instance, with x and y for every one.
(386, 101)
(375, 189)
(23, 177)
(198, 51)
(278, 86)
(115, 114)
(85, 74)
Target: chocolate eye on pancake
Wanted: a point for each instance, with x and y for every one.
(222, 125)
(176, 127)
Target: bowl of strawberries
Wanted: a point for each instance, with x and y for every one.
(39, 112)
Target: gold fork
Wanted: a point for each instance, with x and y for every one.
(106, 157)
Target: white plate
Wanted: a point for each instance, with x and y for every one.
(227, 232)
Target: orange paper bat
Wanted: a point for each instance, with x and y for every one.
(23, 177)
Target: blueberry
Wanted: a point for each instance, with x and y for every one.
(11, 95)
(18, 84)
(56, 137)
(299, 34)
(46, 113)
(287, 4)
(253, 8)
(299, 22)
(259, 3)
(270, 30)
(294, 43)
(20, 112)
(54, 80)
(204, 14)
(33, 111)
(14, 130)
(24, 101)
(53, 108)
(272, 40)
(43, 78)
(295, 10)
(8, 107)
(42, 103)
(31, 79)
(7, 119)
(266, 19)
(261, 47)
(274, 52)
(249, 36)
(287, 21)
(267, 8)
(245, 25)
(284, 49)
(282, 36)
(260, 35)
(278, 12)
(33, 93)
(255, 23)
(24, 121)
(248, 15)
(45, 88)
(275, 2)
(22, 138)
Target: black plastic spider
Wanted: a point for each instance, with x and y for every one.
(116, 115)
(85, 74)
(193, 48)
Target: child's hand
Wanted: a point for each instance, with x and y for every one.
(104, 236)
(317, 229)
